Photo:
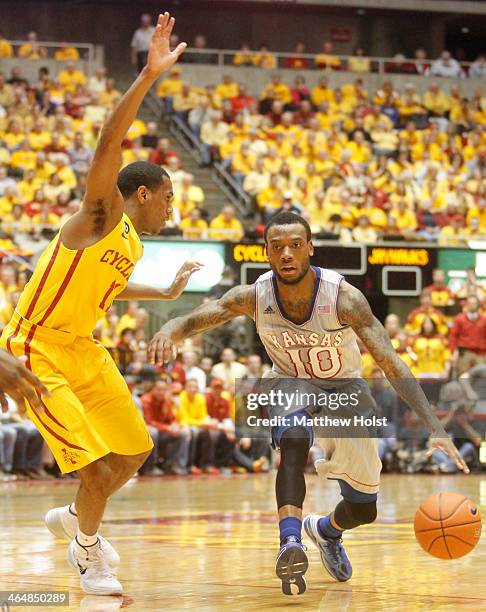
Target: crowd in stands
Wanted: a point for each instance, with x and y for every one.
(48, 133)
(358, 164)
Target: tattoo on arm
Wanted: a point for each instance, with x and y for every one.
(237, 301)
(354, 310)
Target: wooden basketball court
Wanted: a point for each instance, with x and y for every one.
(209, 543)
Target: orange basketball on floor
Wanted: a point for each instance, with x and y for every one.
(447, 525)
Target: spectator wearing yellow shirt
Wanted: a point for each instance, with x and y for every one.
(433, 354)
(64, 170)
(28, 185)
(416, 316)
(8, 200)
(454, 233)
(16, 221)
(214, 134)
(277, 90)
(193, 416)
(32, 50)
(322, 92)
(435, 101)
(371, 119)
(69, 78)
(170, 87)
(46, 217)
(66, 53)
(242, 163)
(54, 188)
(264, 59)
(363, 232)
(385, 141)
(194, 227)
(358, 62)
(226, 226)
(228, 88)
(244, 56)
(185, 101)
(39, 137)
(23, 157)
(7, 96)
(5, 47)
(478, 211)
(360, 149)
(270, 198)
(186, 197)
(110, 95)
(405, 218)
(14, 134)
(258, 179)
(43, 169)
(327, 60)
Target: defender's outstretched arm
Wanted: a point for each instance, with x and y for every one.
(237, 301)
(133, 291)
(354, 310)
(103, 202)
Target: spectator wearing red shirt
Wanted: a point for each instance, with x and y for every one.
(296, 62)
(161, 154)
(299, 91)
(159, 414)
(304, 114)
(242, 100)
(222, 430)
(468, 337)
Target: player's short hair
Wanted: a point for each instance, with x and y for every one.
(287, 218)
(140, 173)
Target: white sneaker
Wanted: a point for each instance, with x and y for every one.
(96, 576)
(63, 523)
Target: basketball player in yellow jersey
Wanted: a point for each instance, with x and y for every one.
(87, 416)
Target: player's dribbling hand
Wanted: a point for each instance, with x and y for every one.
(182, 278)
(160, 57)
(20, 384)
(445, 443)
(161, 349)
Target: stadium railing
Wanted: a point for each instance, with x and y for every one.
(90, 56)
(380, 65)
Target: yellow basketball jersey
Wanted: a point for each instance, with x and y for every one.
(71, 290)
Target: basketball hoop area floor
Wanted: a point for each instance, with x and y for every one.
(209, 543)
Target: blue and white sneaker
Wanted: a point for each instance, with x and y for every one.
(291, 565)
(333, 555)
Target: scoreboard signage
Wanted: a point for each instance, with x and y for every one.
(381, 256)
(384, 269)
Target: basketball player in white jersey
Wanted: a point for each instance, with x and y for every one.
(308, 319)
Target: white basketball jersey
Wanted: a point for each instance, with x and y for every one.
(320, 347)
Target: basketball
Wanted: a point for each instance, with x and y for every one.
(447, 525)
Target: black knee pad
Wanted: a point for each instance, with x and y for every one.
(294, 451)
(349, 515)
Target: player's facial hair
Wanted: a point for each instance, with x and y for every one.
(294, 281)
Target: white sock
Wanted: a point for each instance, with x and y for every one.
(86, 540)
(72, 509)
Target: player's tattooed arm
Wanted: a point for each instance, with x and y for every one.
(354, 310)
(237, 301)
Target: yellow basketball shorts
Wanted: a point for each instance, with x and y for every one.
(90, 411)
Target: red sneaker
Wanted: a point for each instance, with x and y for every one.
(195, 470)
